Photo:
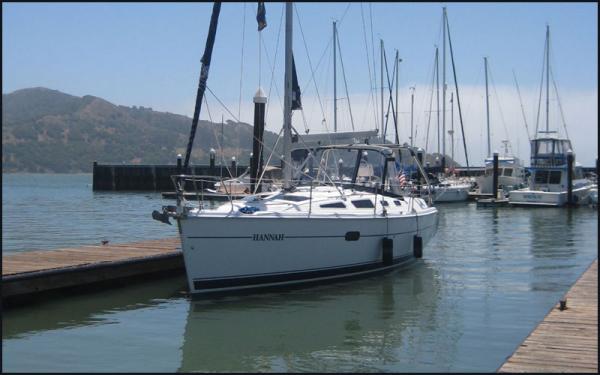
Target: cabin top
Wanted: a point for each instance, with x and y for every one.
(549, 152)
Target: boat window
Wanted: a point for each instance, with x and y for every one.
(333, 205)
(554, 177)
(541, 177)
(294, 198)
(508, 171)
(397, 202)
(363, 203)
(385, 203)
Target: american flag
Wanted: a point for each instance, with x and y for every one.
(402, 178)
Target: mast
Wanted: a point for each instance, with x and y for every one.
(381, 58)
(444, 91)
(487, 107)
(334, 80)
(206, 57)
(412, 105)
(397, 73)
(451, 131)
(547, 78)
(287, 99)
(437, 96)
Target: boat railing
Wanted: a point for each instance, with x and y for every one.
(203, 187)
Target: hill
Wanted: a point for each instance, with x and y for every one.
(46, 130)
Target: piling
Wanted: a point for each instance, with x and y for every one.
(233, 167)
(212, 153)
(495, 176)
(179, 166)
(570, 159)
(256, 163)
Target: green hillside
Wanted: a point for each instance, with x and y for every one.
(46, 130)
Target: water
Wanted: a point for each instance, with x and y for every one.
(485, 281)
(52, 211)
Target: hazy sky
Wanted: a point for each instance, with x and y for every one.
(149, 54)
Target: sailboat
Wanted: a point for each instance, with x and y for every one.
(511, 172)
(449, 188)
(550, 154)
(313, 229)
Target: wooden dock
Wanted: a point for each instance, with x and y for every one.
(31, 274)
(567, 340)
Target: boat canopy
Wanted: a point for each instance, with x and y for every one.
(549, 152)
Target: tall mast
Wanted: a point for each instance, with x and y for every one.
(287, 99)
(437, 96)
(444, 89)
(334, 79)
(547, 78)
(452, 123)
(397, 74)
(412, 104)
(487, 107)
(381, 58)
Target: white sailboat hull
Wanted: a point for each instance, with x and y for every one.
(452, 193)
(225, 254)
(528, 197)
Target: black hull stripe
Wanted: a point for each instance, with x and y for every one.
(342, 236)
(204, 284)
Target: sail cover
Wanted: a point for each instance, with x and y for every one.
(296, 102)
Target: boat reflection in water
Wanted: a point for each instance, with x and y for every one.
(350, 326)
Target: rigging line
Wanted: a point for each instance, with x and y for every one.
(268, 160)
(344, 15)
(219, 145)
(521, 102)
(310, 62)
(223, 105)
(368, 62)
(390, 94)
(423, 100)
(457, 95)
(537, 120)
(498, 101)
(242, 59)
(273, 67)
(559, 104)
(345, 83)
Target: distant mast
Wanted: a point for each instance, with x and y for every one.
(547, 78)
(487, 107)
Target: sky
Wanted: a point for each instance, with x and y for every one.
(148, 54)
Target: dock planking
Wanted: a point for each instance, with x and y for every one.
(31, 274)
(565, 341)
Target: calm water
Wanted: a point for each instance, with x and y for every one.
(485, 281)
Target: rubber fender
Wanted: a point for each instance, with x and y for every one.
(387, 251)
(417, 246)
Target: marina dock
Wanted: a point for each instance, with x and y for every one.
(32, 274)
(566, 340)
